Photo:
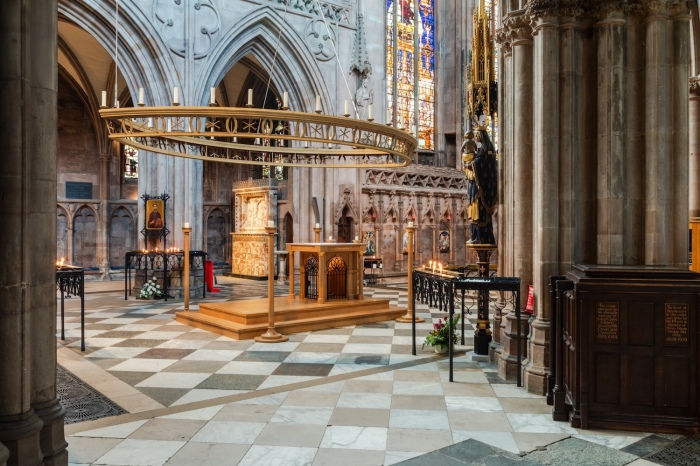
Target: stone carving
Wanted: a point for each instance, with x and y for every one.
(336, 13)
(578, 9)
(695, 84)
(320, 42)
(203, 16)
(432, 178)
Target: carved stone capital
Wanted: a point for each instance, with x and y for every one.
(555, 8)
(680, 10)
(657, 7)
(543, 22)
(695, 85)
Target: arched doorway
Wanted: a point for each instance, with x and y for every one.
(337, 278)
(345, 227)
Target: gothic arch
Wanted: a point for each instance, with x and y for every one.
(217, 235)
(84, 222)
(295, 69)
(144, 59)
(122, 235)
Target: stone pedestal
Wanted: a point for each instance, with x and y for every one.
(256, 206)
(507, 360)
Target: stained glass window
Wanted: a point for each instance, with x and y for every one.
(413, 47)
(131, 162)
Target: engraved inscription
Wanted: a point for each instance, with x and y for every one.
(676, 324)
(608, 322)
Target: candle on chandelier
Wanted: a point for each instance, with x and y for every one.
(176, 95)
(104, 98)
(141, 94)
(347, 107)
(212, 95)
(318, 103)
(285, 100)
(369, 112)
(170, 125)
(250, 97)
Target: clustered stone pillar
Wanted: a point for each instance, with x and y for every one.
(521, 177)
(595, 143)
(694, 169)
(31, 417)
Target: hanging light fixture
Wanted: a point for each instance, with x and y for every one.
(232, 134)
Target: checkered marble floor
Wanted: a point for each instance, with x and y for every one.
(350, 395)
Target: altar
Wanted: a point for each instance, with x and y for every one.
(328, 271)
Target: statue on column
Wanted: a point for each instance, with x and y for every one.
(482, 185)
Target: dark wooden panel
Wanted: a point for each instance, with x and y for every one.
(640, 372)
(641, 324)
(607, 379)
(676, 383)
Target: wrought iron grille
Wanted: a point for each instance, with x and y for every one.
(337, 278)
(311, 278)
(164, 263)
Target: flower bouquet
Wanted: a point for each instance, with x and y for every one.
(151, 290)
(440, 336)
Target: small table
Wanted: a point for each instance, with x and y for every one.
(70, 281)
(372, 263)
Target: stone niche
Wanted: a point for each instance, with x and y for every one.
(255, 205)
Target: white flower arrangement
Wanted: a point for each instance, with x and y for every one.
(151, 290)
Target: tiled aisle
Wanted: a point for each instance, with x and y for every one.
(352, 395)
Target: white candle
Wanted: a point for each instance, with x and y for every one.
(170, 125)
(330, 238)
(150, 122)
(318, 103)
(212, 95)
(104, 98)
(250, 97)
(271, 223)
(176, 95)
(187, 225)
(257, 141)
(410, 224)
(140, 95)
(347, 107)
(318, 225)
(285, 100)
(369, 112)
(357, 238)
(116, 104)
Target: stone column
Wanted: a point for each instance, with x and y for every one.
(659, 180)
(102, 253)
(680, 15)
(610, 149)
(521, 40)
(694, 162)
(545, 200)
(28, 74)
(41, 293)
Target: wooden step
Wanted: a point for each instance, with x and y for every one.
(238, 331)
(254, 311)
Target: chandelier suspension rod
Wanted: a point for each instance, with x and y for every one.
(116, 53)
(274, 57)
(337, 59)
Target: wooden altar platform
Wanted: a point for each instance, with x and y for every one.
(246, 319)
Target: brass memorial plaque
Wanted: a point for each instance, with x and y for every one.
(676, 324)
(608, 322)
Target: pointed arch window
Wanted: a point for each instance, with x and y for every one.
(410, 36)
(131, 162)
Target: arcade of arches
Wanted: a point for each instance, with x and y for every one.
(598, 114)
